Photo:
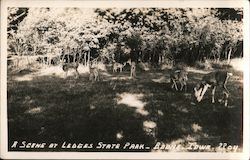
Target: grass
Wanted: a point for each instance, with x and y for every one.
(49, 108)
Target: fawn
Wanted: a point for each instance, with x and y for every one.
(93, 72)
(71, 66)
(180, 76)
(213, 79)
(133, 70)
(117, 66)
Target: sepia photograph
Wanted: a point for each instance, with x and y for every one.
(124, 79)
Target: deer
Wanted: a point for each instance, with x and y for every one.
(179, 75)
(133, 70)
(71, 66)
(117, 66)
(213, 80)
(93, 72)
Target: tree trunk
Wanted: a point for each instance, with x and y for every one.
(218, 58)
(88, 58)
(63, 58)
(85, 58)
(74, 58)
(229, 55)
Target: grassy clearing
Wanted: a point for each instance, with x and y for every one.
(50, 108)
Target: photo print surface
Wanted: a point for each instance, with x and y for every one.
(125, 79)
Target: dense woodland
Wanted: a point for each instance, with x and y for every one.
(155, 35)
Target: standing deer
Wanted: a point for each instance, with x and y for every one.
(213, 79)
(93, 72)
(180, 76)
(133, 70)
(71, 66)
(117, 66)
(120, 66)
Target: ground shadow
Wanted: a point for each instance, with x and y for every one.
(52, 109)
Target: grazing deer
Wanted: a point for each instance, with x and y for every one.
(133, 70)
(180, 76)
(117, 66)
(93, 72)
(71, 66)
(213, 79)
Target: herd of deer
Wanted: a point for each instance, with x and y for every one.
(177, 76)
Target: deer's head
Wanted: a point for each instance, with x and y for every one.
(200, 90)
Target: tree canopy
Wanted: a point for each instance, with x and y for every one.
(185, 34)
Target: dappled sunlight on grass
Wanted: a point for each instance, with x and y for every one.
(142, 112)
(160, 113)
(49, 71)
(27, 77)
(119, 135)
(56, 71)
(35, 110)
(133, 100)
(149, 124)
(121, 78)
(118, 109)
(237, 64)
(150, 128)
(196, 127)
(160, 79)
(194, 70)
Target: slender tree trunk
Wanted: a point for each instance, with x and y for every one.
(229, 55)
(88, 58)
(218, 58)
(74, 58)
(85, 58)
(63, 57)
(18, 56)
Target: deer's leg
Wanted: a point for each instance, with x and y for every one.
(213, 93)
(226, 98)
(182, 85)
(174, 84)
(98, 77)
(185, 85)
(77, 74)
(197, 93)
(203, 92)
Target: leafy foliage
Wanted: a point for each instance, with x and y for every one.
(189, 35)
